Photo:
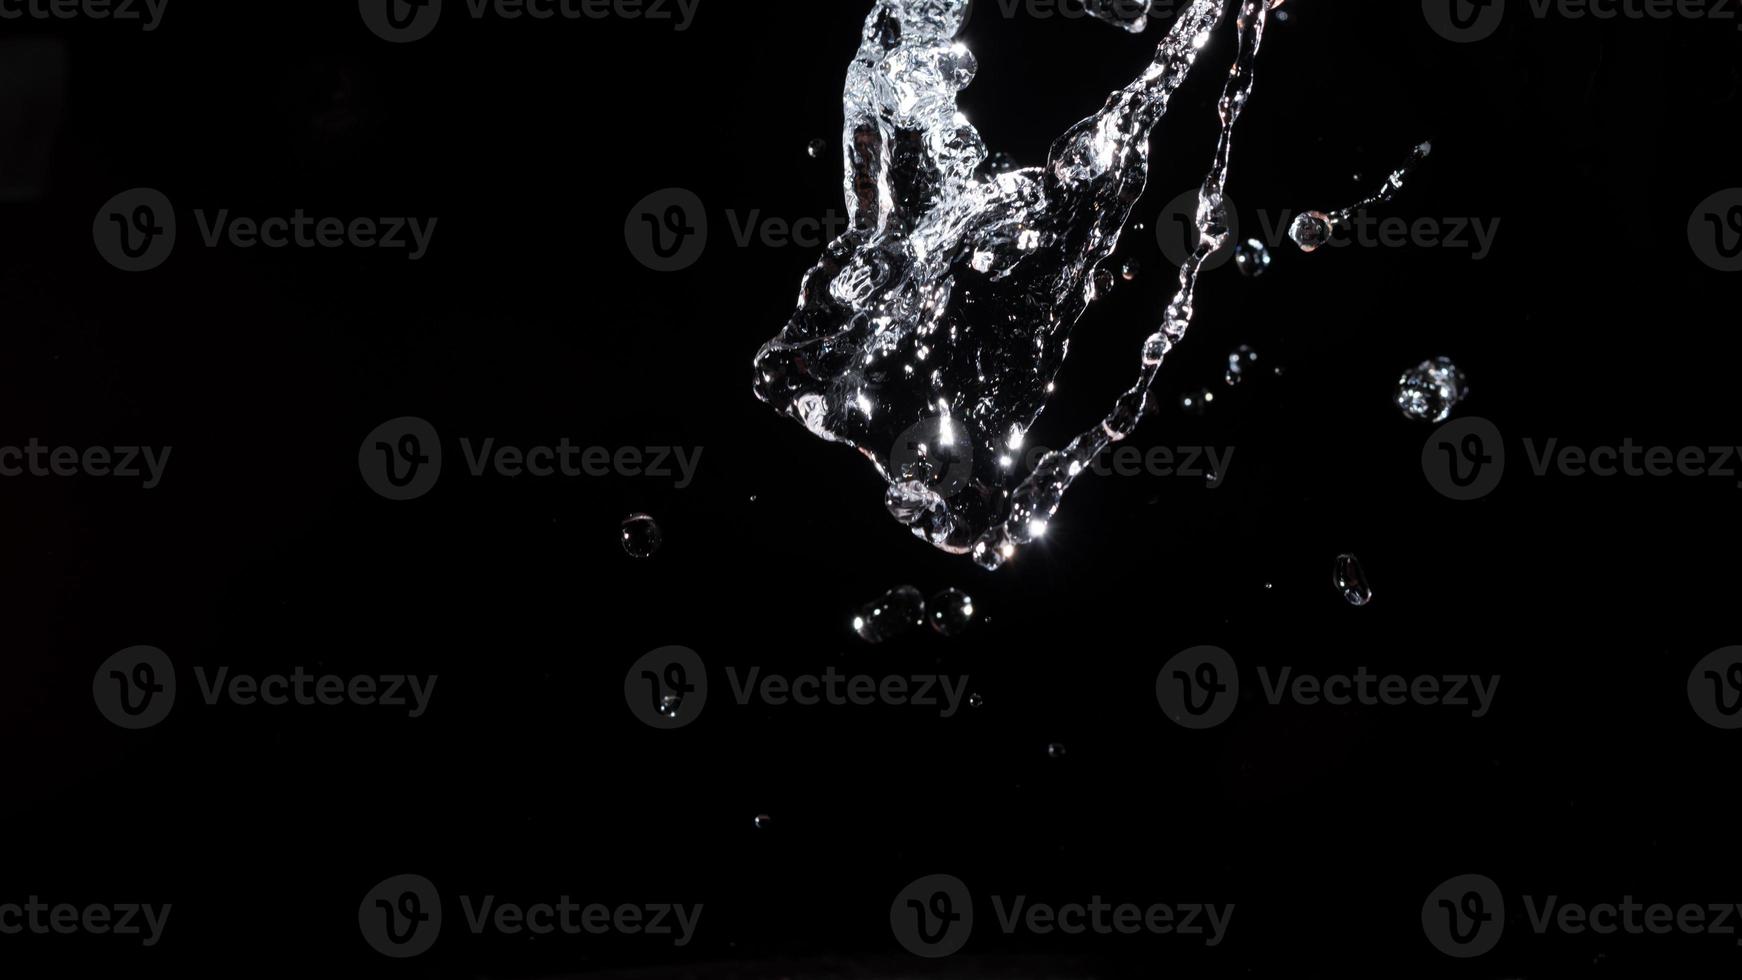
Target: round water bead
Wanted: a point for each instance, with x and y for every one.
(1130, 269)
(817, 148)
(1252, 258)
(641, 536)
(1428, 391)
(950, 611)
(1055, 751)
(892, 614)
(1241, 360)
(1311, 230)
(1197, 402)
(975, 700)
(762, 821)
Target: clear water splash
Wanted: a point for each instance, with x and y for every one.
(929, 336)
(1311, 230)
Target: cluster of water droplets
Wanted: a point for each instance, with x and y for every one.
(903, 608)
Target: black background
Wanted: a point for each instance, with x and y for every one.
(530, 321)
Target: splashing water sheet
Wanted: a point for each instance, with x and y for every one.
(929, 335)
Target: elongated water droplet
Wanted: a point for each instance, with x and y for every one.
(1351, 580)
(892, 614)
(1311, 230)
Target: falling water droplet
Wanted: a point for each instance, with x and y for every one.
(670, 705)
(1252, 258)
(817, 148)
(641, 536)
(1242, 359)
(1055, 751)
(762, 821)
(1428, 391)
(1197, 402)
(951, 611)
(1130, 269)
(1351, 580)
(975, 700)
(895, 612)
(1103, 283)
(1311, 230)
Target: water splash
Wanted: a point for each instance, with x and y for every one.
(947, 308)
(1313, 229)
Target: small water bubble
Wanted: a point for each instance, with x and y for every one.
(1351, 580)
(1197, 402)
(1241, 360)
(1129, 270)
(1055, 751)
(951, 611)
(670, 705)
(1428, 391)
(817, 148)
(1311, 230)
(1103, 283)
(1252, 258)
(641, 536)
(975, 700)
(762, 821)
(895, 612)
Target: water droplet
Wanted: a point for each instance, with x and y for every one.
(817, 148)
(762, 821)
(1197, 402)
(997, 163)
(1429, 390)
(1242, 359)
(670, 705)
(1103, 283)
(641, 536)
(1351, 580)
(1252, 258)
(1055, 751)
(1129, 270)
(895, 612)
(1311, 230)
(975, 700)
(951, 611)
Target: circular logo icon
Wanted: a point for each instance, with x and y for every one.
(1464, 916)
(1198, 688)
(400, 21)
(667, 230)
(401, 917)
(1464, 21)
(667, 687)
(1715, 230)
(1715, 688)
(135, 688)
(1465, 458)
(1176, 230)
(135, 230)
(936, 452)
(933, 917)
(401, 459)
